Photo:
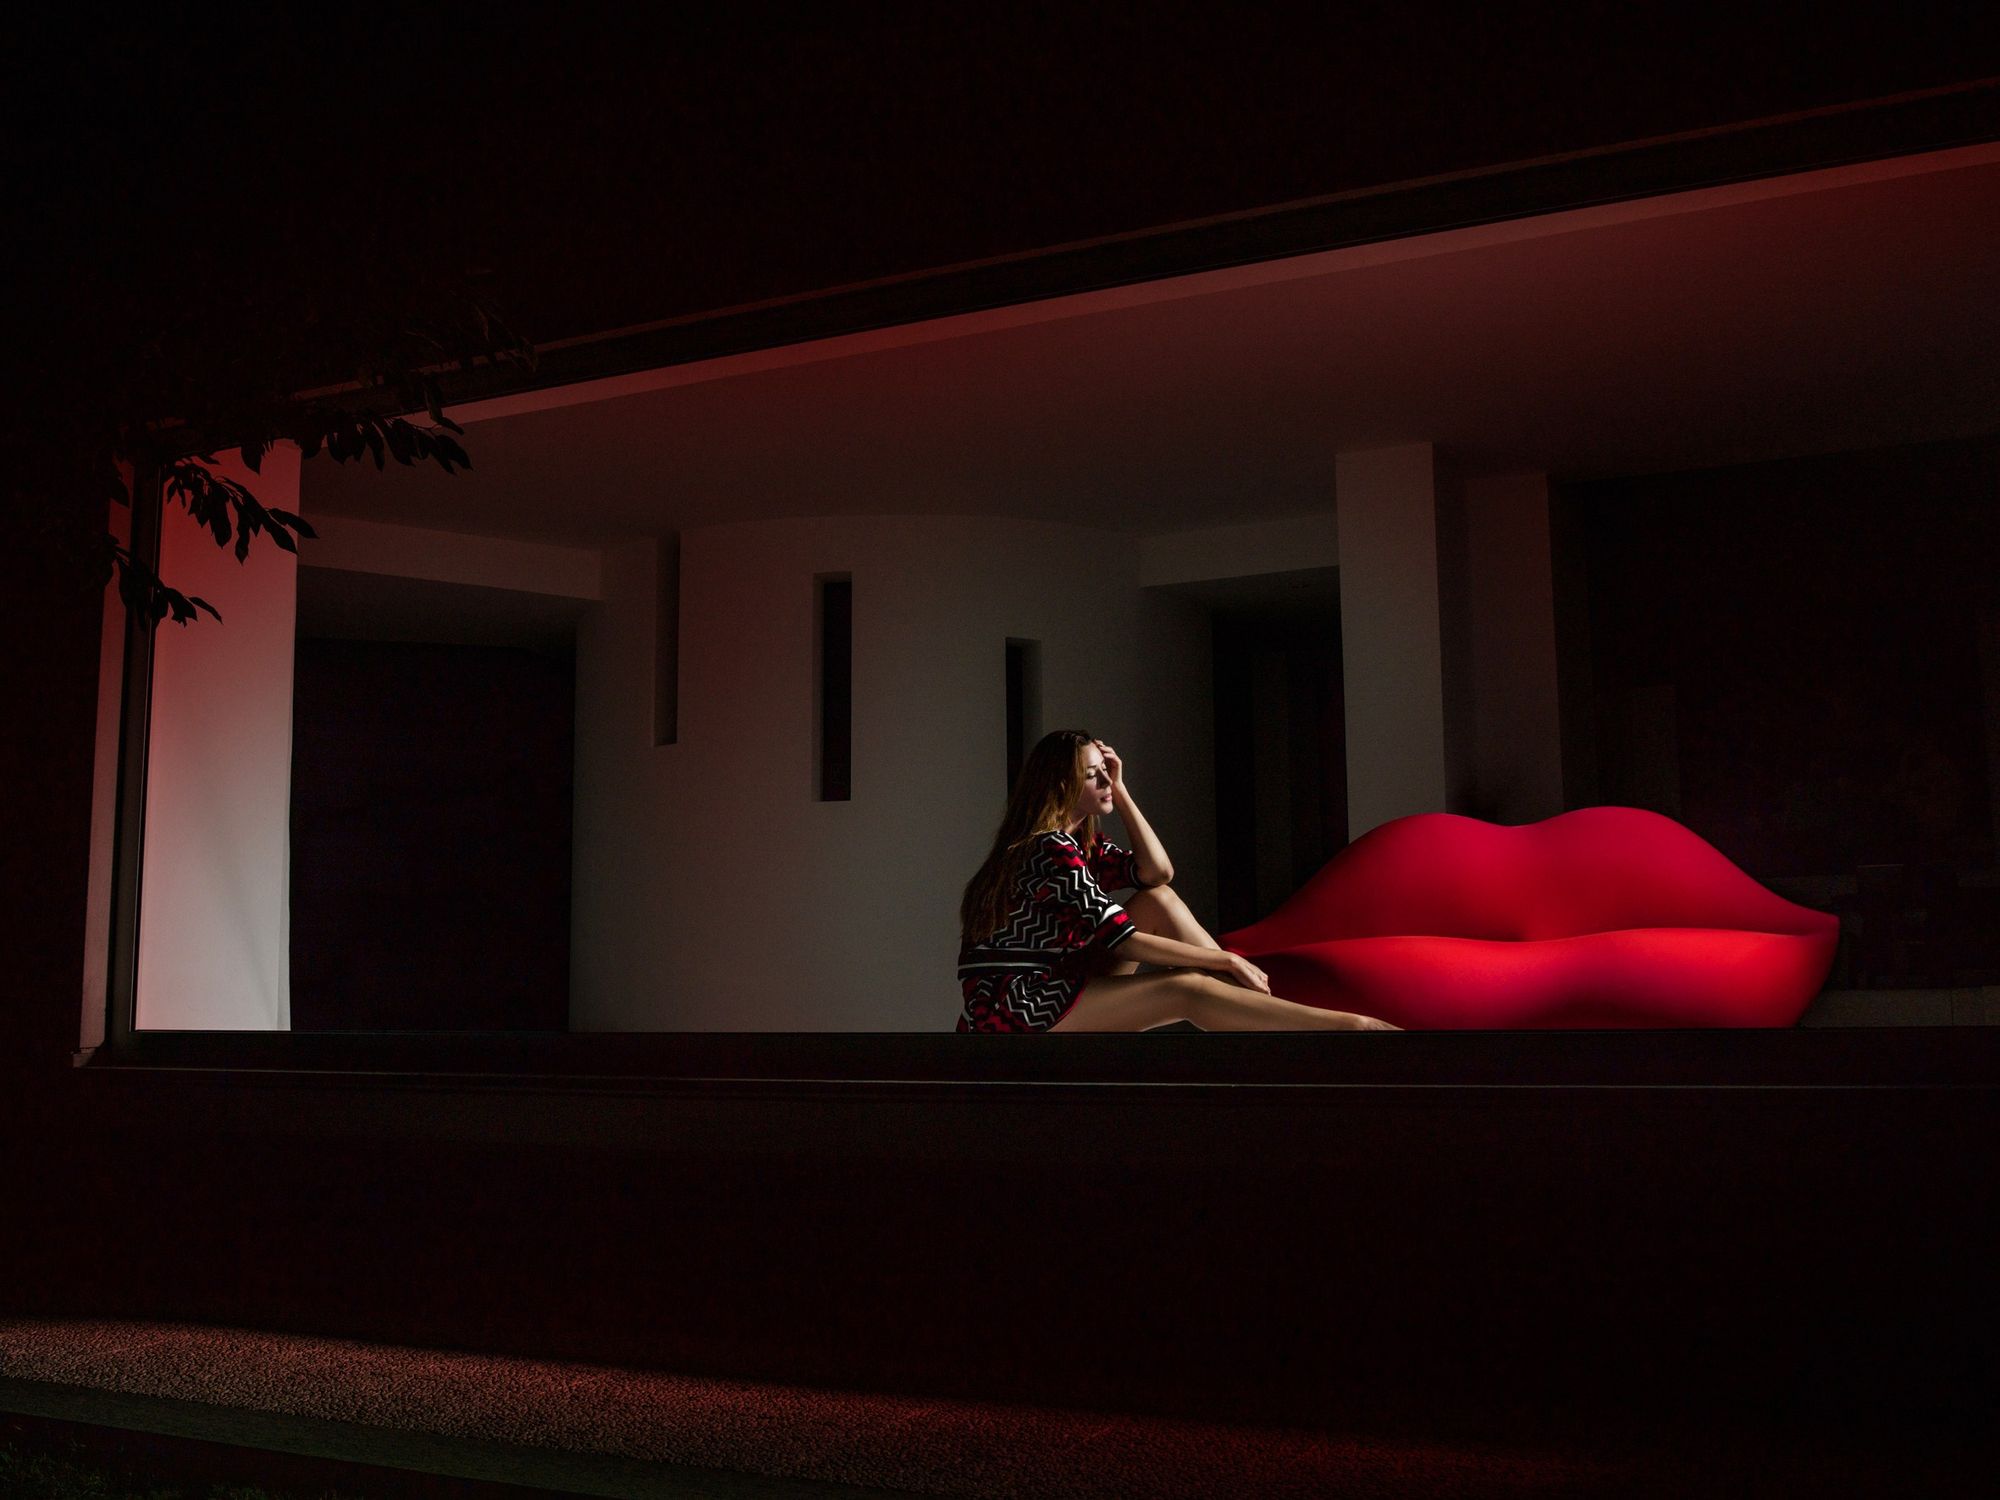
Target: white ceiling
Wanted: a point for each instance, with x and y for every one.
(1849, 309)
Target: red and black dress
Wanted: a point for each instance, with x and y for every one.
(1059, 923)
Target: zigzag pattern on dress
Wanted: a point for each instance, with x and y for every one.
(1021, 978)
(1064, 907)
(1046, 1006)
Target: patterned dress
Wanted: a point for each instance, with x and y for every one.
(1059, 924)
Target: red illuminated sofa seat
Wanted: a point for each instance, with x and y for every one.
(1600, 917)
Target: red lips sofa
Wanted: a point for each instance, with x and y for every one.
(1600, 917)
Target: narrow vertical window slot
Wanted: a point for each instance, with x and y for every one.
(834, 695)
(667, 646)
(1024, 703)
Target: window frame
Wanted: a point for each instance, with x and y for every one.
(1901, 125)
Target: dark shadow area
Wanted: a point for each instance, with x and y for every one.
(1800, 660)
(1791, 651)
(431, 814)
(1466, 1262)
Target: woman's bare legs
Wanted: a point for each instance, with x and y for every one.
(1160, 911)
(1136, 1002)
(1119, 998)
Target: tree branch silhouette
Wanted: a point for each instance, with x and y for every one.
(356, 372)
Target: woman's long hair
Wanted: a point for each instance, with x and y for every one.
(1043, 794)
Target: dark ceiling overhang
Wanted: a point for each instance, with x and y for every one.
(1872, 130)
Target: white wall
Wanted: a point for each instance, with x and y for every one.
(214, 911)
(712, 892)
(1448, 640)
(355, 546)
(1240, 551)
(1392, 651)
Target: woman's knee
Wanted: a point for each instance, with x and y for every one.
(1155, 905)
(1195, 995)
(1204, 999)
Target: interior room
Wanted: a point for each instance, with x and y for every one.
(1668, 504)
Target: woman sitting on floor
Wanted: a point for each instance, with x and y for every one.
(1037, 929)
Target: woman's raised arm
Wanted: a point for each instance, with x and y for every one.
(1151, 855)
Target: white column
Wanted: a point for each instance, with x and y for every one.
(1392, 651)
(215, 898)
(104, 791)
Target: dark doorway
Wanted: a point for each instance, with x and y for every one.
(431, 805)
(1280, 737)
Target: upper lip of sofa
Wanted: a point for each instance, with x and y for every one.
(1651, 839)
(1572, 937)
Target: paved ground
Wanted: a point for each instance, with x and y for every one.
(587, 1429)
